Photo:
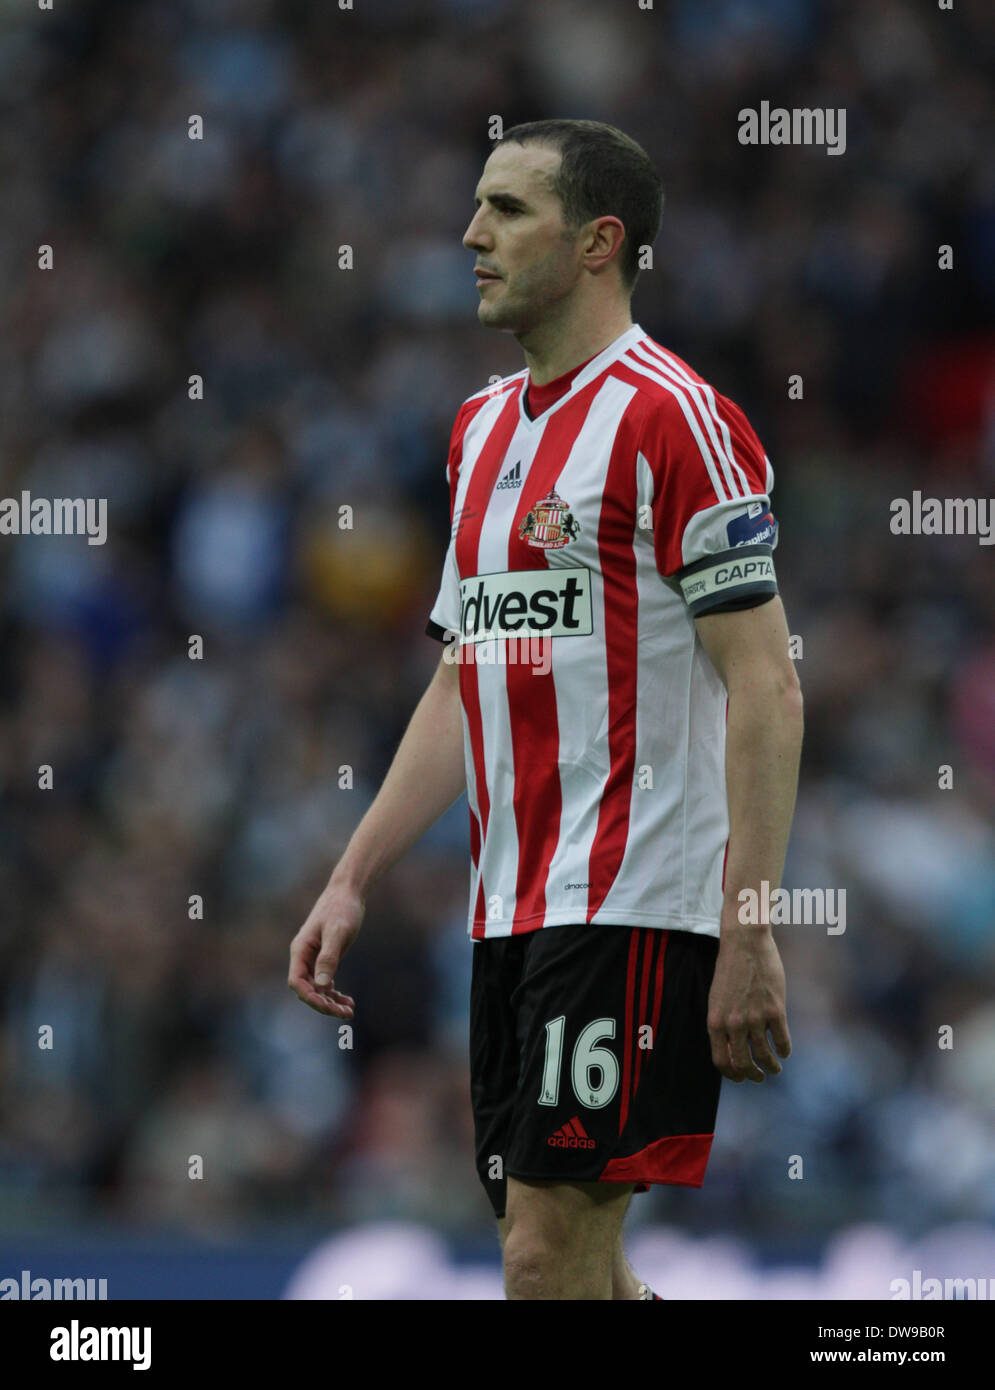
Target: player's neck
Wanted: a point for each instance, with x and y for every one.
(551, 350)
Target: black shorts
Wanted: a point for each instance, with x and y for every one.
(590, 1059)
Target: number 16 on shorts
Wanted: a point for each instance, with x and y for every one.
(594, 1070)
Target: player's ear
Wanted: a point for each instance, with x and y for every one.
(605, 241)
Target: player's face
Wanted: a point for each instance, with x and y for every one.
(519, 234)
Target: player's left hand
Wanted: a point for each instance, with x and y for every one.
(319, 946)
(746, 999)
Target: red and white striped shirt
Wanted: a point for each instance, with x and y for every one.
(584, 543)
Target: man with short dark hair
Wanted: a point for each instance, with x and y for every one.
(609, 505)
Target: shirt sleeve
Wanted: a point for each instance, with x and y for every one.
(708, 481)
(444, 620)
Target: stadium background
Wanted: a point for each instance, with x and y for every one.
(327, 387)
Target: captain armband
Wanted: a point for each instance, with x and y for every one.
(738, 578)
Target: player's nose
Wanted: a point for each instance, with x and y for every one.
(475, 238)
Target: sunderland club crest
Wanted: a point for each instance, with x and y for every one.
(549, 524)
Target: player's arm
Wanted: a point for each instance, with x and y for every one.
(749, 650)
(424, 779)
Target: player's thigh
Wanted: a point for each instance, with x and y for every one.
(502, 1222)
(582, 1215)
(502, 1229)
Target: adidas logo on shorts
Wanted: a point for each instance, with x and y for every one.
(573, 1135)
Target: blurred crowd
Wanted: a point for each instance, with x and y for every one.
(197, 805)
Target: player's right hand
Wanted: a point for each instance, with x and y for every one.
(316, 950)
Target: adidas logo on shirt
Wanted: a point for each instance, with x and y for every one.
(573, 1135)
(513, 477)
